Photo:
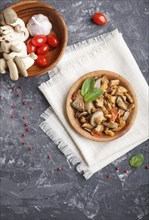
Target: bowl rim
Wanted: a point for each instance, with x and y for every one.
(78, 128)
(47, 69)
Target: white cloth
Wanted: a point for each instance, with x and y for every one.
(106, 52)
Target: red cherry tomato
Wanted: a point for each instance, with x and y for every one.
(114, 114)
(30, 47)
(39, 40)
(43, 49)
(99, 18)
(52, 40)
(41, 60)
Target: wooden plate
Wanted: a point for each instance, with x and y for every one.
(75, 123)
(25, 9)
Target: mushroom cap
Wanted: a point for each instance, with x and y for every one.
(97, 118)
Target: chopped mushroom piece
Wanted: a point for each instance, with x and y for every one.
(110, 124)
(97, 118)
(126, 115)
(104, 84)
(89, 107)
(121, 125)
(131, 107)
(99, 101)
(121, 112)
(121, 89)
(99, 128)
(87, 125)
(121, 104)
(109, 132)
(82, 119)
(113, 91)
(114, 82)
(111, 98)
(82, 114)
(98, 83)
(78, 103)
(129, 97)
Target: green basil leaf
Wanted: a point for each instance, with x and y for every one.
(137, 160)
(88, 85)
(93, 95)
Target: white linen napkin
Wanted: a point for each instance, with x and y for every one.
(106, 52)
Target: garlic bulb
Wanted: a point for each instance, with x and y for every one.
(39, 24)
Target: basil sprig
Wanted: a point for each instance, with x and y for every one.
(137, 160)
(89, 92)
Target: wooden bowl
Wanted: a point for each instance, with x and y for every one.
(25, 9)
(75, 123)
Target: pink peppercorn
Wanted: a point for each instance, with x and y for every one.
(31, 107)
(23, 143)
(23, 135)
(49, 156)
(24, 117)
(12, 116)
(126, 171)
(59, 168)
(24, 103)
(18, 94)
(146, 167)
(27, 129)
(13, 88)
(13, 106)
(26, 124)
(30, 148)
(117, 168)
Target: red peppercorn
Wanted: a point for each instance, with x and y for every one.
(26, 124)
(13, 106)
(23, 143)
(30, 148)
(18, 94)
(12, 116)
(23, 135)
(27, 129)
(109, 176)
(117, 168)
(146, 167)
(49, 156)
(20, 87)
(126, 171)
(24, 103)
(13, 88)
(31, 107)
(59, 168)
(24, 117)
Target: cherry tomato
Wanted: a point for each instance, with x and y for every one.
(99, 18)
(30, 47)
(114, 113)
(52, 40)
(43, 49)
(39, 40)
(41, 60)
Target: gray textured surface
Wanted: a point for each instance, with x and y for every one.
(31, 186)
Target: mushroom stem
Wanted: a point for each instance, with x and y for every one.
(15, 49)
(12, 70)
(3, 66)
(21, 66)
